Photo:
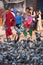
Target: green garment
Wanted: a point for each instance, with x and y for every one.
(25, 33)
(30, 31)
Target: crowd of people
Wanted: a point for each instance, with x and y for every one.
(23, 52)
(30, 20)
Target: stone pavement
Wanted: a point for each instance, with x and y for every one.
(3, 36)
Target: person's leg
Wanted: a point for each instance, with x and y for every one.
(8, 34)
(35, 26)
(30, 32)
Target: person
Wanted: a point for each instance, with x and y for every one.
(8, 23)
(18, 18)
(28, 23)
(33, 16)
(36, 20)
(39, 23)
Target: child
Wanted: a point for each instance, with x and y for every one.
(9, 22)
(18, 18)
(28, 23)
(39, 23)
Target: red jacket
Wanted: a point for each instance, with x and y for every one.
(10, 20)
(28, 23)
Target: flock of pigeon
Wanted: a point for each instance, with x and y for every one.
(24, 52)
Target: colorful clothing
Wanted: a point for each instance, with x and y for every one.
(10, 21)
(28, 22)
(27, 25)
(18, 19)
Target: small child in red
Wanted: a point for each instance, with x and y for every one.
(9, 22)
(28, 23)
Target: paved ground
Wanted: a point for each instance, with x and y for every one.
(3, 36)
